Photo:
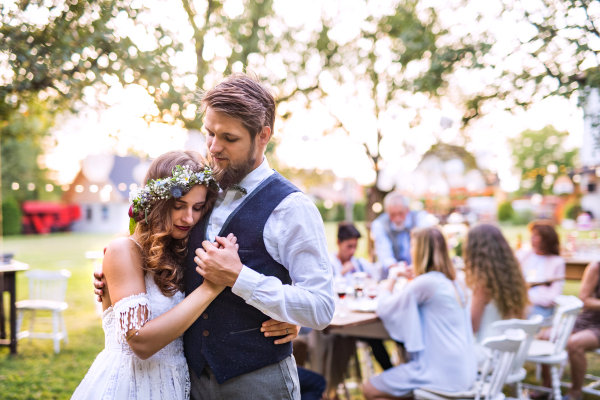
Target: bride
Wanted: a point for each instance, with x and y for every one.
(145, 311)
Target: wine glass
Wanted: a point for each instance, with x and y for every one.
(372, 290)
(360, 281)
(341, 290)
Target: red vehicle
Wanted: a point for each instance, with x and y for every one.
(45, 217)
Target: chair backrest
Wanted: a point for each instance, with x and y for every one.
(564, 321)
(48, 285)
(496, 369)
(531, 327)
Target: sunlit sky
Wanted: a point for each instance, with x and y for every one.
(119, 128)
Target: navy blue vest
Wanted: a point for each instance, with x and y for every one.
(227, 336)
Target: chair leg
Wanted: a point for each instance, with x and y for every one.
(519, 388)
(555, 383)
(64, 328)
(56, 332)
(31, 322)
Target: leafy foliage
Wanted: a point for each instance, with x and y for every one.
(505, 211)
(541, 157)
(11, 218)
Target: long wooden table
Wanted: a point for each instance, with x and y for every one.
(8, 283)
(358, 324)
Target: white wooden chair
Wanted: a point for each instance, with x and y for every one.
(552, 351)
(531, 327)
(47, 290)
(493, 374)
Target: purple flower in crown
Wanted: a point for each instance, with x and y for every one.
(176, 191)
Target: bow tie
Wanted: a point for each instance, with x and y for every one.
(240, 189)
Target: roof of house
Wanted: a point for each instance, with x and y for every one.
(118, 181)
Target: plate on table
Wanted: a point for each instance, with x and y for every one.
(362, 305)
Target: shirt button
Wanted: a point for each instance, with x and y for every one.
(205, 316)
(205, 333)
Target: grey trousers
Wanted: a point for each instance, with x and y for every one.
(274, 382)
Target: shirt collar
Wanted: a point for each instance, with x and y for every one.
(260, 173)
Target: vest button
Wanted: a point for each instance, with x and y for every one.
(205, 333)
(204, 316)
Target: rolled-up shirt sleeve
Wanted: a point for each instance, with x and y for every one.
(295, 237)
(383, 245)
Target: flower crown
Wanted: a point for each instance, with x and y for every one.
(162, 189)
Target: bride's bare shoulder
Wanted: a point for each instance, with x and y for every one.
(122, 253)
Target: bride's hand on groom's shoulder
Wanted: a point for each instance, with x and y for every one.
(273, 328)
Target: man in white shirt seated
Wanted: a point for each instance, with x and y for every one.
(343, 261)
(344, 264)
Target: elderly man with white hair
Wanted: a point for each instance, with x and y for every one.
(391, 231)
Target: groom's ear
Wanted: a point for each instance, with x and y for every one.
(264, 136)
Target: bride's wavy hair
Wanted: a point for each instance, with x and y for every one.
(163, 255)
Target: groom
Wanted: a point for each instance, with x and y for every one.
(282, 270)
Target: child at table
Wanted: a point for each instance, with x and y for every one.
(431, 317)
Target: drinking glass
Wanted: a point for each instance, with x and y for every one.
(341, 290)
(360, 281)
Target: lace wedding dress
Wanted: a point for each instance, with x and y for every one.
(117, 373)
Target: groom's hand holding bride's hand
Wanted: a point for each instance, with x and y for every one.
(220, 265)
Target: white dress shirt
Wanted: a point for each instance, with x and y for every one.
(360, 265)
(294, 236)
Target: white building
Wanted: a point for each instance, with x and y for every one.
(101, 189)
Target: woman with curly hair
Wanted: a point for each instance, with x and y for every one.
(493, 274)
(145, 311)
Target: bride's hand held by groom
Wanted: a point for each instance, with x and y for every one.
(220, 265)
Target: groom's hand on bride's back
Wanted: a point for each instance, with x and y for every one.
(99, 282)
(220, 265)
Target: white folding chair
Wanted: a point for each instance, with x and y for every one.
(531, 327)
(552, 351)
(47, 290)
(493, 374)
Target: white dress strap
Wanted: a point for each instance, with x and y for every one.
(135, 241)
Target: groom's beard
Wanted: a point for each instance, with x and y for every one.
(234, 172)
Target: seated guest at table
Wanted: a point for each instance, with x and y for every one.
(586, 333)
(431, 317)
(343, 261)
(312, 385)
(344, 264)
(391, 231)
(494, 276)
(543, 264)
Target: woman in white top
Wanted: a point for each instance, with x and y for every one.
(431, 317)
(145, 311)
(493, 274)
(543, 263)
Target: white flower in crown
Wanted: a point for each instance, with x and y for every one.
(134, 193)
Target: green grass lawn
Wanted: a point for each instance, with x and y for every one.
(36, 372)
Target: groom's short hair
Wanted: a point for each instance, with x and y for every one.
(243, 97)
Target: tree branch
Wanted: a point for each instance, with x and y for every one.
(289, 96)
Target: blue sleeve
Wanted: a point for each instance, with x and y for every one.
(383, 245)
